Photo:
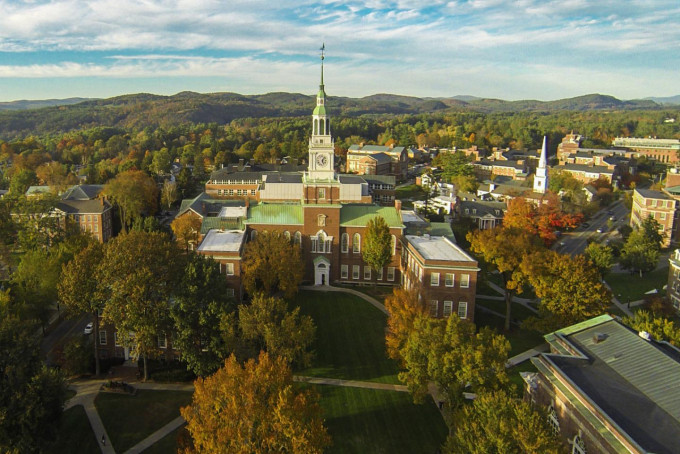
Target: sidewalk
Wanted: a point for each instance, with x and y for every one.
(515, 360)
(350, 383)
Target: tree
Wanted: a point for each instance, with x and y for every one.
(543, 220)
(659, 327)
(498, 423)
(254, 409)
(272, 263)
(80, 290)
(203, 316)
(187, 229)
(570, 288)
(601, 256)
(639, 253)
(403, 308)
(134, 192)
(281, 333)
(21, 181)
(377, 247)
(31, 396)
(168, 193)
(161, 161)
(504, 248)
(140, 270)
(456, 357)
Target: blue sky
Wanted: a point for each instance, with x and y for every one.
(522, 49)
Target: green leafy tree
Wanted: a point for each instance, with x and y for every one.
(498, 423)
(377, 247)
(254, 409)
(272, 263)
(161, 161)
(267, 322)
(203, 316)
(21, 181)
(80, 289)
(456, 357)
(602, 256)
(639, 253)
(659, 327)
(31, 396)
(570, 288)
(139, 270)
(135, 193)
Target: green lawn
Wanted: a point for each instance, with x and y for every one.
(411, 191)
(519, 312)
(520, 340)
(166, 445)
(633, 286)
(350, 338)
(75, 434)
(130, 419)
(375, 421)
(379, 292)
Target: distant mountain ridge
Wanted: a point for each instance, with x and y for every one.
(674, 100)
(143, 109)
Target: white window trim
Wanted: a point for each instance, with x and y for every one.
(463, 284)
(434, 279)
(356, 272)
(102, 337)
(448, 308)
(453, 279)
(390, 271)
(462, 305)
(434, 308)
(344, 271)
(367, 272)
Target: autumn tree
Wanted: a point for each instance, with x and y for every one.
(134, 192)
(203, 316)
(403, 308)
(31, 395)
(187, 229)
(272, 263)
(570, 288)
(660, 328)
(504, 249)
(282, 333)
(456, 357)
(168, 193)
(80, 290)
(495, 422)
(139, 270)
(542, 220)
(254, 409)
(601, 256)
(377, 248)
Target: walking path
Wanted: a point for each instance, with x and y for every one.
(515, 360)
(330, 288)
(351, 383)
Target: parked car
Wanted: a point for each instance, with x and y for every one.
(88, 328)
(612, 218)
(602, 230)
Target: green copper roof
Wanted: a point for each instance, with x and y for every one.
(275, 214)
(320, 110)
(215, 223)
(359, 215)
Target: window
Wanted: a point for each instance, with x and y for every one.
(449, 280)
(390, 273)
(367, 273)
(321, 237)
(321, 220)
(434, 308)
(448, 307)
(578, 446)
(355, 271)
(314, 243)
(434, 280)
(344, 243)
(230, 292)
(298, 238)
(462, 309)
(322, 193)
(253, 234)
(380, 274)
(162, 341)
(356, 243)
(464, 281)
(394, 245)
(252, 192)
(344, 271)
(553, 421)
(102, 337)
(96, 227)
(286, 234)
(229, 269)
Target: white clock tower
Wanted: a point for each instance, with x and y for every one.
(321, 146)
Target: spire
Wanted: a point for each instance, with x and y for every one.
(543, 161)
(323, 49)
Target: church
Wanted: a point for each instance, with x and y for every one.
(326, 213)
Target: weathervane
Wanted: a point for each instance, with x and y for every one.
(323, 48)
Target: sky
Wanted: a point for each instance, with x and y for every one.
(521, 49)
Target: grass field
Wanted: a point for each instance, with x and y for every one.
(520, 340)
(519, 312)
(166, 445)
(374, 421)
(130, 419)
(379, 292)
(75, 434)
(633, 286)
(350, 338)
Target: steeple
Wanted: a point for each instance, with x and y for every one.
(321, 148)
(541, 177)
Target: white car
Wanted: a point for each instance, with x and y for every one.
(88, 328)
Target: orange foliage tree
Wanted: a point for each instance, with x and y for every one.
(403, 308)
(541, 220)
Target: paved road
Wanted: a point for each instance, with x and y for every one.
(575, 242)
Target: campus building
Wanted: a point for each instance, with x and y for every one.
(608, 389)
(325, 214)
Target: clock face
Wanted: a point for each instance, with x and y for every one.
(321, 160)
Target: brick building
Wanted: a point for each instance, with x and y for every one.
(659, 205)
(398, 164)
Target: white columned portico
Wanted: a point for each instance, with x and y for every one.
(322, 271)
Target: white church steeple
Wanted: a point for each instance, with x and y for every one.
(321, 147)
(541, 177)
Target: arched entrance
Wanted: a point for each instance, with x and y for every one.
(322, 271)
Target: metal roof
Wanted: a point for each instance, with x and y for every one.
(219, 241)
(215, 223)
(275, 214)
(83, 192)
(358, 215)
(651, 194)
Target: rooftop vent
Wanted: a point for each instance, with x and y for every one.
(599, 337)
(645, 335)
